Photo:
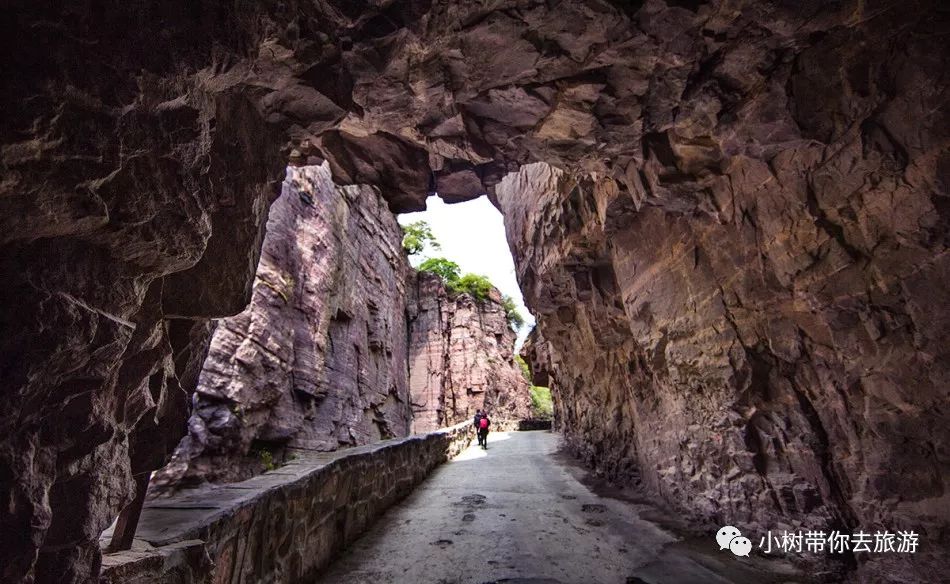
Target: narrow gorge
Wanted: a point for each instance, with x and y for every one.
(343, 344)
(730, 219)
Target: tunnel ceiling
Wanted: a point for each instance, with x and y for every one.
(388, 91)
(142, 145)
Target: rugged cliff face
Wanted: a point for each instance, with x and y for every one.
(462, 359)
(318, 359)
(749, 376)
(794, 152)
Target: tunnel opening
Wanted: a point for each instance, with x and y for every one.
(712, 189)
(363, 325)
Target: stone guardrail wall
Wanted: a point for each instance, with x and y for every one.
(283, 526)
(535, 424)
(506, 425)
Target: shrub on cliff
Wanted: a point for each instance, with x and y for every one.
(479, 287)
(523, 365)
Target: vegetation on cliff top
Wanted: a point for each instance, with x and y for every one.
(418, 235)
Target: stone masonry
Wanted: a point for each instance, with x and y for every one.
(283, 526)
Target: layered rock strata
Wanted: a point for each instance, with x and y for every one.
(318, 359)
(137, 169)
(461, 358)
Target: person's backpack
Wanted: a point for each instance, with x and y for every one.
(483, 424)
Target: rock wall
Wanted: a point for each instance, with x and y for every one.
(283, 526)
(137, 169)
(754, 365)
(318, 359)
(462, 359)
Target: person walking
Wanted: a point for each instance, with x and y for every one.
(478, 418)
(483, 423)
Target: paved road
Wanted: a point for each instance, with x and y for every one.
(517, 514)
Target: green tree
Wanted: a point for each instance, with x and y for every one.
(479, 287)
(447, 269)
(515, 320)
(415, 237)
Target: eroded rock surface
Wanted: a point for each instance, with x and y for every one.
(794, 153)
(318, 359)
(685, 353)
(461, 359)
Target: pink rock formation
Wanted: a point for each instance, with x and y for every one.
(318, 359)
(461, 358)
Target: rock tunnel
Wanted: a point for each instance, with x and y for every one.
(729, 217)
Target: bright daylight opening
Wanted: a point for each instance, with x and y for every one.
(472, 234)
